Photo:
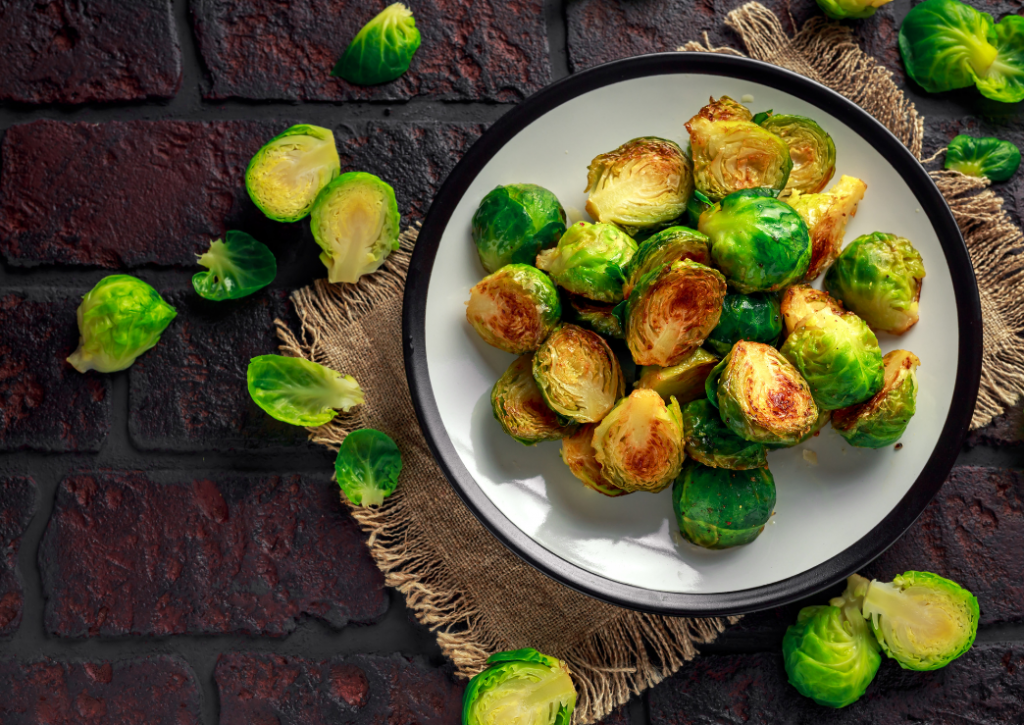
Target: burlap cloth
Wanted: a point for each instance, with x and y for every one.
(457, 579)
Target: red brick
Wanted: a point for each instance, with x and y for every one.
(258, 688)
(103, 50)
(157, 690)
(134, 554)
(487, 50)
(45, 404)
(17, 506)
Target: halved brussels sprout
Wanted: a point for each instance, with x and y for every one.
(355, 222)
(669, 245)
(850, 9)
(520, 687)
(878, 276)
(826, 216)
(514, 309)
(881, 420)
(711, 442)
(684, 382)
(922, 620)
(300, 392)
(759, 243)
(718, 508)
(801, 300)
(811, 149)
(589, 260)
(639, 444)
(578, 374)
(642, 185)
(761, 396)
(581, 458)
(520, 408)
(754, 317)
(514, 223)
(382, 49)
(367, 467)
(236, 268)
(598, 316)
(672, 311)
(989, 157)
(286, 175)
(839, 357)
(730, 152)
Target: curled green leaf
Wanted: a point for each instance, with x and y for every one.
(236, 267)
(367, 467)
(300, 392)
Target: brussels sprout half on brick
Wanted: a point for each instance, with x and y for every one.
(286, 175)
(382, 49)
(520, 687)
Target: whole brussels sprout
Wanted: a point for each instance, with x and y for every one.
(514, 309)
(382, 50)
(988, 157)
(684, 382)
(730, 152)
(514, 223)
(878, 276)
(754, 317)
(669, 245)
(672, 311)
(520, 408)
(639, 444)
(287, 174)
(642, 185)
(718, 508)
(578, 374)
(589, 261)
(881, 420)
(811, 149)
(118, 320)
(520, 687)
(801, 300)
(711, 442)
(581, 458)
(839, 357)
(826, 216)
(759, 243)
(761, 396)
(598, 316)
(850, 9)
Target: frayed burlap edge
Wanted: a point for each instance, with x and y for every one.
(826, 52)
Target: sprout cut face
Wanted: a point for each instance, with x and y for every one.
(300, 392)
(578, 374)
(991, 158)
(236, 268)
(881, 420)
(520, 687)
(367, 467)
(826, 216)
(514, 223)
(801, 300)
(755, 317)
(718, 508)
(711, 442)
(286, 175)
(589, 261)
(382, 50)
(684, 382)
(581, 458)
(355, 222)
(520, 408)
(514, 309)
(669, 245)
(811, 149)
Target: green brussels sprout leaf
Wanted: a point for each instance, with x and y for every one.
(850, 9)
(754, 317)
(988, 157)
(514, 223)
(760, 118)
(286, 175)
(237, 267)
(515, 308)
(697, 205)
(718, 508)
(598, 316)
(300, 392)
(521, 687)
(589, 261)
(382, 50)
(711, 442)
(367, 467)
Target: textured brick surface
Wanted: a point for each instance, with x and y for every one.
(487, 50)
(158, 690)
(17, 505)
(1005, 430)
(100, 50)
(266, 688)
(127, 554)
(46, 404)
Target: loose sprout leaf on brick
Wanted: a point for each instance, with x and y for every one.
(382, 49)
(520, 687)
(992, 158)
(237, 267)
(286, 175)
(850, 9)
(514, 223)
(367, 467)
(300, 392)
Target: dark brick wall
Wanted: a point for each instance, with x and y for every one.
(169, 554)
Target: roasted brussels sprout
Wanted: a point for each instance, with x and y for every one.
(514, 309)
(355, 222)
(881, 420)
(642, 185)
(761, 396)
(598, 316)
(236, 268)
(731, 152)
(839, 357)
(710, 441)
(697, 205)
(991, 158)
(801, 300)
(718, 508)
(759, 243)
(521, 687)
(811, 149)
(669, 245)
(286, 175)
(826, 216)
(118, 320)
(754, 317)
(382, 50)
(672, 311)
(520, 408)
(300, 392)
(878, 276)
(514, 223)
(578, 374)
(922, 620)
(639, 444)
(589, 260)
(684, 381)
(581, 458)
(367, 467)
(850, 9)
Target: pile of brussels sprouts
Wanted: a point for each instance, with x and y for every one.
(676, 339)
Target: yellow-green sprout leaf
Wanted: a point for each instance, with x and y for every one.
(300, 392)
(286, 175)
(1004, 80)
(520, 687)
(881, 420)
(578, 374)
(514, 309)
(237, 267)
(589, 260)
(826, 215)
(991, 158)
(718, 508)
(118, 320)
(850, 9)
(367, 467)
(514, 223)
(579, 455)
(520, 408)
(382, 50)
(811, 149)
(684, 382)
(669, 245)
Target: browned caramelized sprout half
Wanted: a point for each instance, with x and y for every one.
(801, 300)
(826, 216)
(581, 458)
(514, 309)
(578, 374)
(520, 408)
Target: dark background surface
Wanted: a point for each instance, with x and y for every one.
(181, 413)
